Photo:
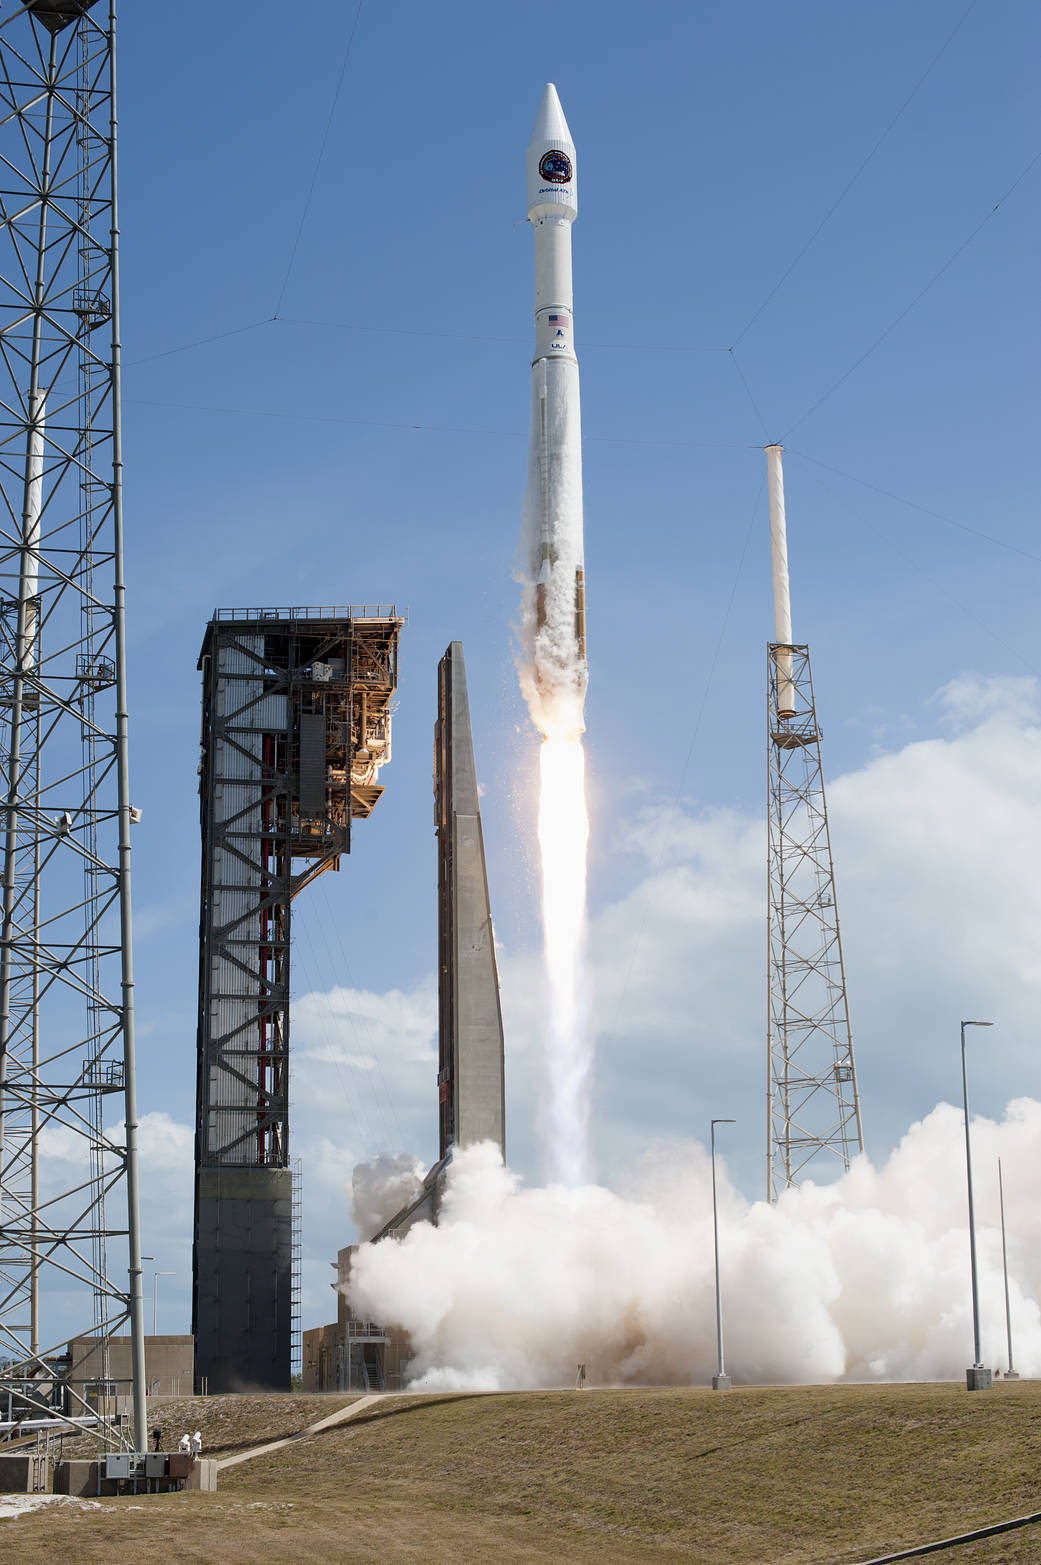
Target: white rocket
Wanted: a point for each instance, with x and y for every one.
(554, 507)
(782, 590)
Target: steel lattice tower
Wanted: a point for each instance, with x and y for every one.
(813, 1104)
(68, 1118)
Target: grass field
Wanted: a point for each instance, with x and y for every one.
(766, 1476)
(227, 1424)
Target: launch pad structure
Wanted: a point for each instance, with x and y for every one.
(356, 1354)
(813, 1118)
(296, 726)
(69, 1240)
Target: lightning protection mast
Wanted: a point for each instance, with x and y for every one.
(68, 1117)
(813, 1109)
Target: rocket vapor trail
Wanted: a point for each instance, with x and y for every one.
(553, 667)
(866, 1279)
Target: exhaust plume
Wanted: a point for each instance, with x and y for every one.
(866, 1279)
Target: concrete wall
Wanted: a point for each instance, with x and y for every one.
(169, 1366)
(24, 1473)
(243, 1268)
(325, 1356)
(80, 1478)
(319, 1357)
(202, 1475)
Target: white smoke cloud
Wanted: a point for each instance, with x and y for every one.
(865, 1279)
(381, 1187)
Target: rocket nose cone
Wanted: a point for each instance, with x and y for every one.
(551, 163)
(550, 124)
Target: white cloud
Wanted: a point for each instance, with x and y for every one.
(972, 698)
(935, 846)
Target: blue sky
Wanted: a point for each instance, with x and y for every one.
(369, 444)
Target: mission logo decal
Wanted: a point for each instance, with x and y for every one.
(556, 168)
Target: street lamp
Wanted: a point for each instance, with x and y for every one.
(977, 1378)
(1010, 1373)
(155, 1299)
(720, 1380)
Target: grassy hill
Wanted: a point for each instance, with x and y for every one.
(765, 1476)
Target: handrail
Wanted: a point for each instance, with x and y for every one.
(360, 611)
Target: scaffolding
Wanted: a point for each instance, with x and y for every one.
(296, 726)
(814, 1103)
(68, 1117)
(296, 1324)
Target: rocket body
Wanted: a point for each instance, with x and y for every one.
(782, 591)
(555, 615)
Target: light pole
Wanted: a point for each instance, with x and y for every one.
(1010, 1373)
(155, 1299)
(977, 1378)
(720, 1380)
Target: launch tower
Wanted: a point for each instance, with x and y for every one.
(68, 1115)
(295, 728)
(814, 1108)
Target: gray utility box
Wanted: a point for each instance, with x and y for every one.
(156, 1463)
(119, 1464)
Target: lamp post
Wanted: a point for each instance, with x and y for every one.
(1010, 1373)
(155, 1299)
(720, 1380)
(977, 1378)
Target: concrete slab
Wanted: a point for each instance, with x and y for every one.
(79, 1478)
(24, 1472)
(339, 1417)
(202, 1475)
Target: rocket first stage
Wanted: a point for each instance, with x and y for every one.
(556, 617)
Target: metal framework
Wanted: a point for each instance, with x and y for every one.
(814, 1108)
(68, 1118)
(296, 725)
(296, 1324)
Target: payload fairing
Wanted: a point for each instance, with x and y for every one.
(558, 620)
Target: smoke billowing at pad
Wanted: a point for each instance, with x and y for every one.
(864, 1279)
(553, 662)
(382, 1187)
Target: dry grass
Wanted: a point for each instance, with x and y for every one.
(780, 1476)
(228, 1424)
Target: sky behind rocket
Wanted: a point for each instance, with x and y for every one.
(804, 225)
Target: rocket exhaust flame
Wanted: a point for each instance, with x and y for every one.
(553, 669)
(563, 836)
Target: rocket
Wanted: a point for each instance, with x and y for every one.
(554, 504)
(782, 654)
